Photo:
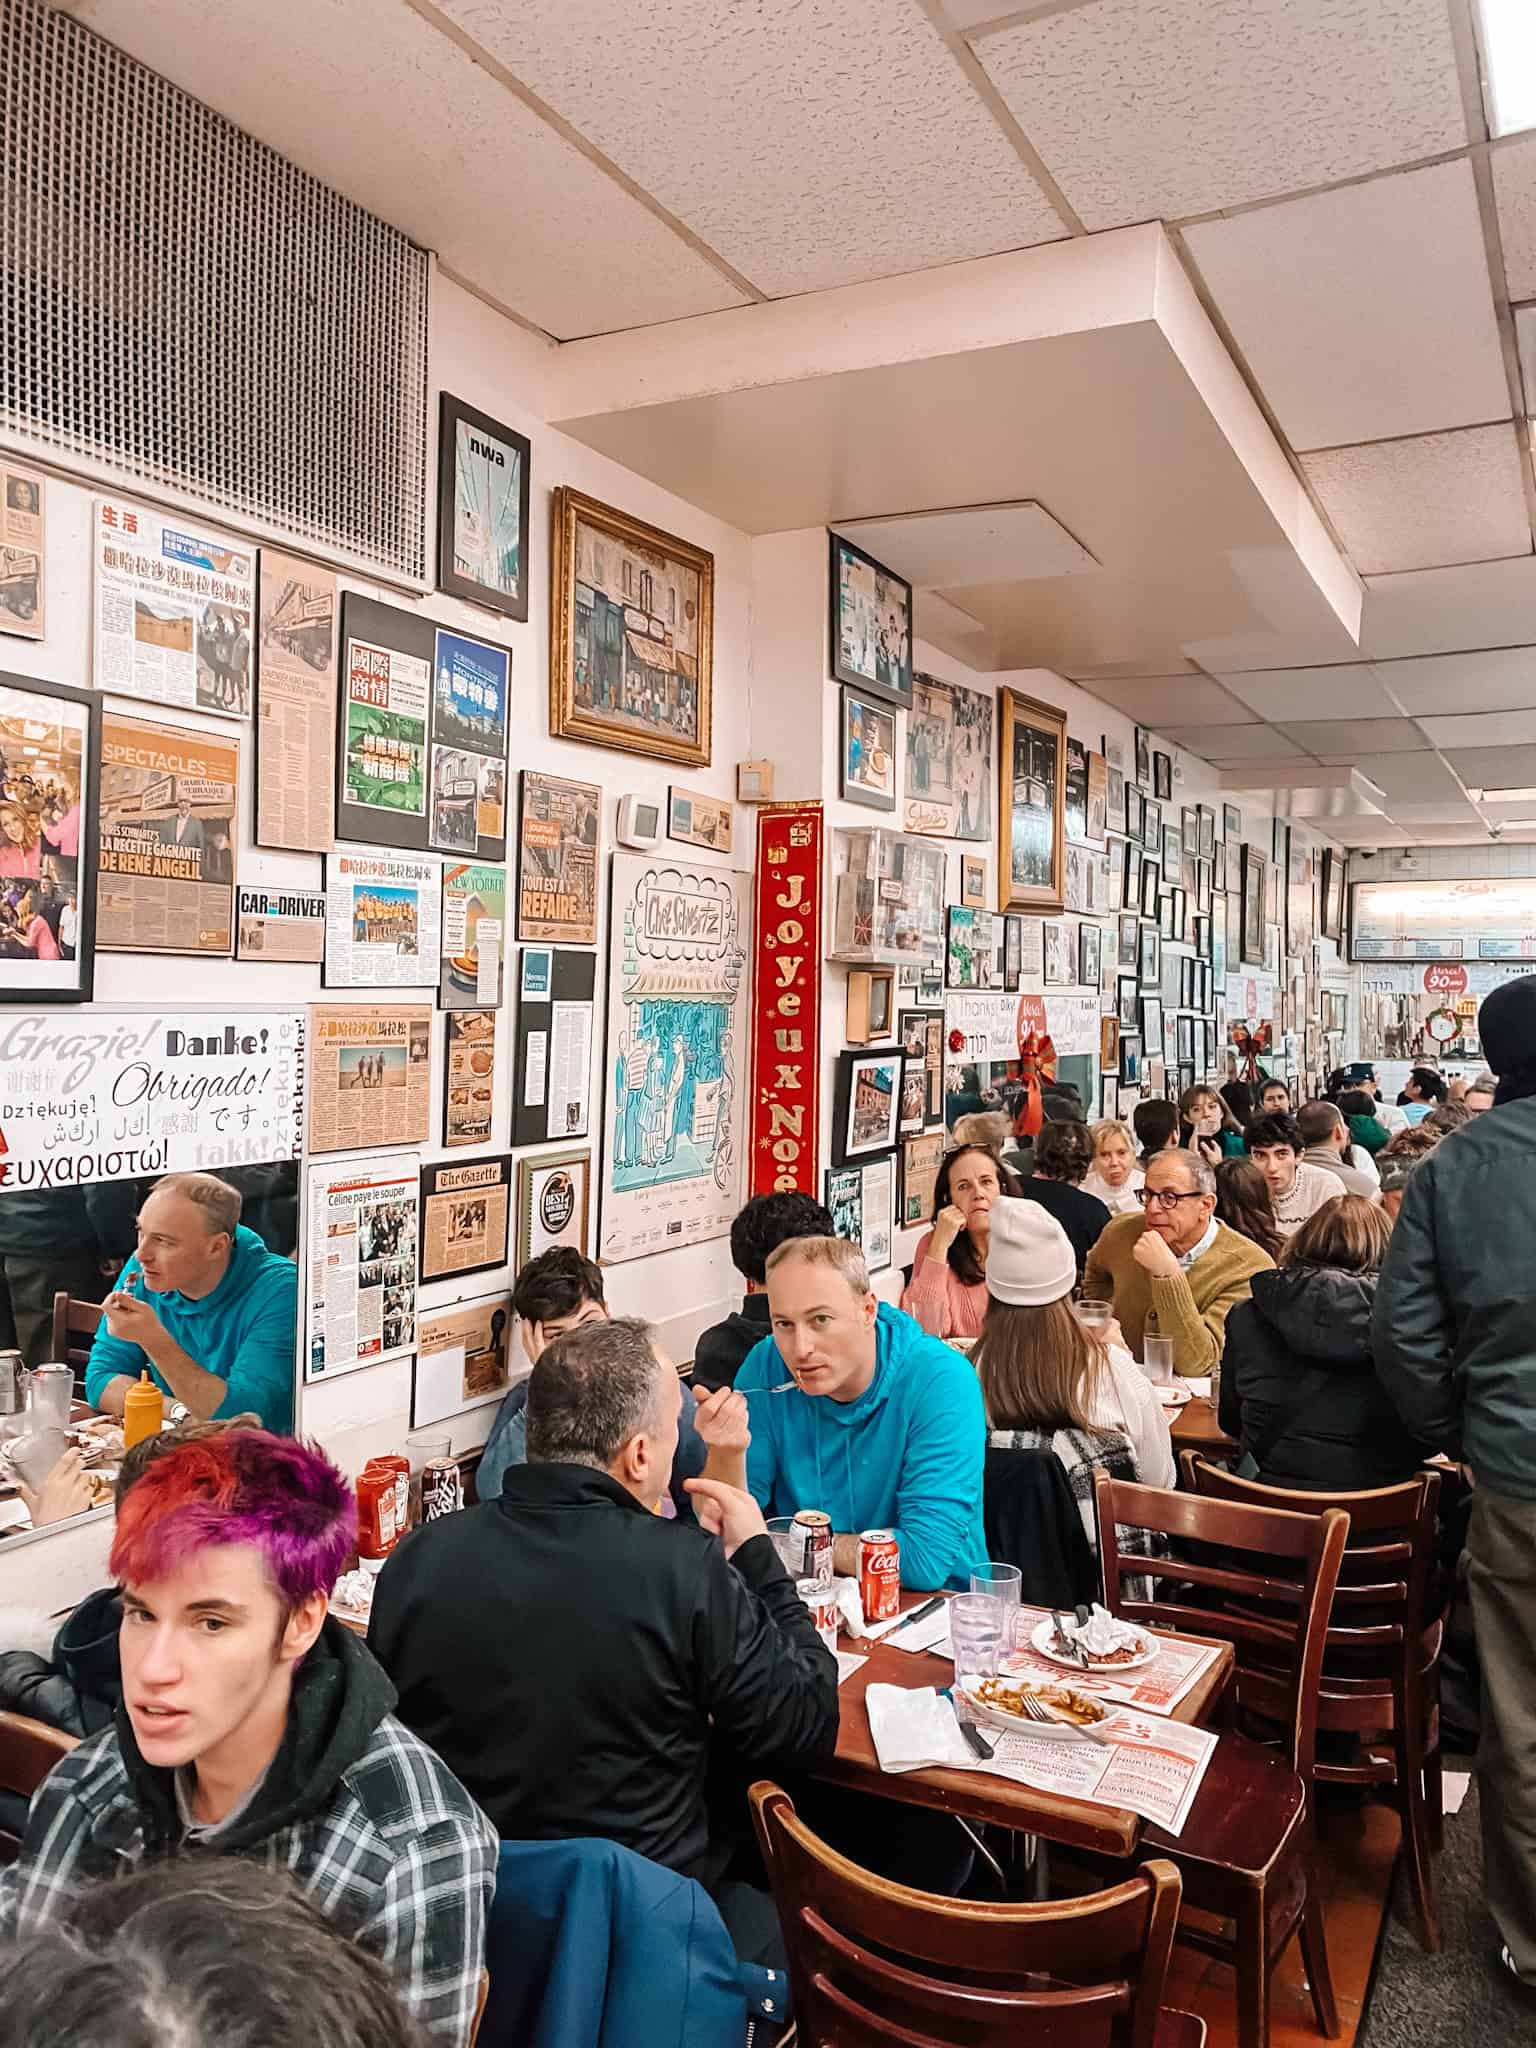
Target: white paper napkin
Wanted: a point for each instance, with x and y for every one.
(931, 1633)
(914, 1729)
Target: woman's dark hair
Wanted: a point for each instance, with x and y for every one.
(1244, 1204)
(1429, 1083)
(205, 1952)
(1154, 1122)
(1201, 1092)
(963, 1262)
(766, 1222)
(1238, 1097)
(1063, 1152)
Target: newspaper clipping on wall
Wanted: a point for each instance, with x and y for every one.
(385, 760)
(557, 860)
(474, 929)
(23, 586)
(465, 1215)
(174, 609)
(383, 919)
(469, 1086)
(286, 925)
(370, 1076)
(167, 874)
(461, 1358)
(469, 745)
(362, 1265)
(295, 704)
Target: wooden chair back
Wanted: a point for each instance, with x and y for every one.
(28, 1752)
(873, 1962)
(74, 1331)
(1225, 1554)
(484, 1994)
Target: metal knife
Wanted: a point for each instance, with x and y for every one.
(977, 1742)
(916, 1615)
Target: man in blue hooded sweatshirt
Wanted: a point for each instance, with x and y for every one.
(882, 1426)
(204, 1307)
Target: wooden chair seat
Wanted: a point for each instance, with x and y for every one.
(1245, 1815)
(28, 1752)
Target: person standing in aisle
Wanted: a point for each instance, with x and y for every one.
(1454, 1334)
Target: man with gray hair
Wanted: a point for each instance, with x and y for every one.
(1175, 1271)
(203, 1307)
(573, 1656)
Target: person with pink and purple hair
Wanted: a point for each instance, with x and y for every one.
(253, 1724)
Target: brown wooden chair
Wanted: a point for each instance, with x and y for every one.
(1246, 1851)
(874, 1964)
(28, 1752)
(1381, 1660)
(74, 1331)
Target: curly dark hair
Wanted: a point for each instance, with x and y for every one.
(766, 1222)
(1063, 1152)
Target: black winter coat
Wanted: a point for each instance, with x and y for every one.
(1298, 1370)
(573, 1659)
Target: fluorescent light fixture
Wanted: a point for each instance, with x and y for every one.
(1509, 57)
(1527, 795)
(1517, 825)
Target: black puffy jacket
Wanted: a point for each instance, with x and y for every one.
(1299, 1386)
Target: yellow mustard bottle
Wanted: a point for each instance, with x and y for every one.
(143, 1411)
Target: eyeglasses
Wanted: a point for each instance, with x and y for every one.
(1165, 1198)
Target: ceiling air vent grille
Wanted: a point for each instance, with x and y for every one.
(182, 303)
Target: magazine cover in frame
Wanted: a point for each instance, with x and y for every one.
(1031, 819)
(676, 1051)
(50, 744)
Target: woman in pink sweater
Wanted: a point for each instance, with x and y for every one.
(948, 1290)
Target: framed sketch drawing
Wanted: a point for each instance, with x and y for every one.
(482, 509)
(631, 634)
(1031, 825)
(871, 624)
(50, 745)
(1252, 926)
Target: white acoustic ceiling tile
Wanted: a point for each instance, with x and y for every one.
(1343, 739)
(1494, 767)
(393, 114)
(1236, 742)
(1514, 186)
(1156, 109)
(1367, 832)
(1410, 778)
(1490, 679)
(808, 142)
(1483, 728)
(1322, 293)
(1163, 701)
(1348, 690)
(1418, 504)
(1457, 813)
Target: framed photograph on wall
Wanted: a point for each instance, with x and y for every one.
(1150, 889)
(1162, 777)
(1152, 828)
(1150, 961)
(914, 1098)
(949, 781)
(1130, 889)
(1143, 757)
(921, 1159)
(1090, 953)
(1231, 822)
(1060, 954)
(868, 752)
(482, 509)
(50, 745)
(867, 1103)
(1207, 822)
(1128, 1002)
(1109, 1044)
(973, 882)
(1333, 894)
(970, 948)
(1252, 914)
(1135, 812)
(554, 1201)
(879, 1212)
(845, 1202)
(631, 643)
(1128, 939)
(1013, 954)
(1031, 827)
(870, 625)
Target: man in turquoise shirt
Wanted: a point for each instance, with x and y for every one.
(203, 1306)
(882, 1426)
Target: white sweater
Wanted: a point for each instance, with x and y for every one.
(1120, 1201)
(1128, 1401)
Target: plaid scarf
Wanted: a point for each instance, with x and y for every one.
(1082, 1453)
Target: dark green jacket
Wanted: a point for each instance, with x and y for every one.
(1454, 1330)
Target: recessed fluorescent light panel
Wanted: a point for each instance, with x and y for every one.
(1509, 56)
(1526, 795)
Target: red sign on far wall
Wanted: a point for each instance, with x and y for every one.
(1442, 980)
(786, 1002)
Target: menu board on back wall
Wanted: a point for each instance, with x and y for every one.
(1469, 920)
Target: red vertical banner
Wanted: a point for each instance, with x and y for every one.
(786, 1001)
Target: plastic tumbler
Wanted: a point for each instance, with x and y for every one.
(976, 1634)
(1094, 1315)
(999, 1582)
(1157, 1360)
(788, 1542)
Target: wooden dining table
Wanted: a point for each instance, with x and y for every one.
(1194, 1428)
(978, 1795)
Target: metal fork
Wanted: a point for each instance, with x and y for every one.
(1037, 1710)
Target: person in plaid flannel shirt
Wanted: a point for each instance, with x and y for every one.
(253, 1724)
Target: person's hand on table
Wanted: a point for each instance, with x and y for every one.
(1151, 1253)
(132, 1320)
(65, 1492)
(721, 1418)
(728, 1512)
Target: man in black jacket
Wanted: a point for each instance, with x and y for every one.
(573, 1655)
(761, 1226)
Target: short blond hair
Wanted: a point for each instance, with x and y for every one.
(1103, 1128)
(837, 1252)
(220, 1203)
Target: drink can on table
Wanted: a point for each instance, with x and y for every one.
(822, 1601)
(442, 1488)
(815, 1530)
(880, 1574)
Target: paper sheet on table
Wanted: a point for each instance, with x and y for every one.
(1200, 1388)
(1156, 1688)
(847, 1663)
(931, 1633)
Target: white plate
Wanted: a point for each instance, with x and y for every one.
(1043, 1638)
(1174, 1397)
(1020, 1724)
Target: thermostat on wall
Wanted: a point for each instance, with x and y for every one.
(639, 821)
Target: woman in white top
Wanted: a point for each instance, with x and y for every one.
(1114, 1175)
(1050, 1384)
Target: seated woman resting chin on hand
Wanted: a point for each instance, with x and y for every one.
(948, 1289)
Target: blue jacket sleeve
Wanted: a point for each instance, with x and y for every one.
(938, 1495)
(760, 1370)
(260, 1377)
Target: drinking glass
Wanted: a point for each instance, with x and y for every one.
(420, 1449)
(1157, 1360)
(1002, 1582)
(1094, 1315)
(976, 1634)
(788, 1543)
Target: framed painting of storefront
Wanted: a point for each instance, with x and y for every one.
(632, 634)
(50, 744)
(1031, 829)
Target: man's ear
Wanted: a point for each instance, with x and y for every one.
(304, 1626)
(871, 1308)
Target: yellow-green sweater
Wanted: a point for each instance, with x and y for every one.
(1191, 1308)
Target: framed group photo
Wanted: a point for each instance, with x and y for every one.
(870, 624)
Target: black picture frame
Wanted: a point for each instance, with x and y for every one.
(1143, 756)
(1090, 954)
(872, 710)
(853, 1067)
(1128, 1001)
(84, 720)
(1280, 844)
(1130, 888)
(1135, 812)
(1162, 777)
(499, 443)
(1251, 914)
(1152, 827)
(1151, 882)
(444, 1180)
(1231, 822)
(1128, 939)
(1130, 1058)
(1333, 895)
(899, 692)
(1013, 955)
(1149, 966)
(1206, 818)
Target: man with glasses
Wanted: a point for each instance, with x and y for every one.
(1174, 1271)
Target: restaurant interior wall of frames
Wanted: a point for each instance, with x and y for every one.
(495, 366)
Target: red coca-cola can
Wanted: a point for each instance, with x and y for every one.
(880, 1574)
(822, 1601)
(815, 1532)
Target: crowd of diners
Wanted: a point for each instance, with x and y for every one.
(607, 1646)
